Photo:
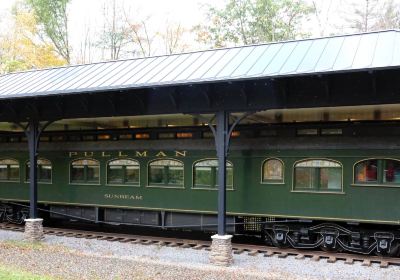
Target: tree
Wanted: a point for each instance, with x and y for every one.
(254, 21)
(114, 35)
(173, 38)
(51, 15)
(140, 36)
(389, 18)
(364, 15)
(84, 54)
(322, 17)
(20, 47)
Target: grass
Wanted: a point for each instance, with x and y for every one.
(29, 245)
(23, 245)
(12, 273)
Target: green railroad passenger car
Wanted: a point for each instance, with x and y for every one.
(335, 188)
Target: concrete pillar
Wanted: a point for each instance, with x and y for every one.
(221, 250)
(33, 229)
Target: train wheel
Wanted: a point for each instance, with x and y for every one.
(393, 252)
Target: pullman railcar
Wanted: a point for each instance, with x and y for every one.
(335, 187)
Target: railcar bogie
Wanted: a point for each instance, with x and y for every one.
(335, 237)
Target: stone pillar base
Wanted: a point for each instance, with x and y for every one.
(33, 230)
(221, 250)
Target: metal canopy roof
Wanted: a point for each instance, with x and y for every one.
(311, 56)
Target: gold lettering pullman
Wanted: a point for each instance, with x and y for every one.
(129, 154)
(141, 154)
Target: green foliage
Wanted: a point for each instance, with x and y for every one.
(254, 21)
(20, 47)
(51, 15)
(11, 273)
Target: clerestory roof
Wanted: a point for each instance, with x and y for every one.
(356, 52)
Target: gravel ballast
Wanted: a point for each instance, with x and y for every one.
(78, 258)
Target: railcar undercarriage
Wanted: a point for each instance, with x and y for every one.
(335, 237)
(283, 233)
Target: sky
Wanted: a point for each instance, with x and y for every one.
(89, 13)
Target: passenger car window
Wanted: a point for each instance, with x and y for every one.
(44, 171)
(166, 172)
(366, 171)
(205, 174)
(9, 170)
(391, 171)
(85, 171)
(318, 175)
(123, 172)
(377, 171)
(272, 171)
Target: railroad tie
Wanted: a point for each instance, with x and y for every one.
(102, 237)
(315, 258)
(300, 257)
(366, 262)
(125, 240)
(283, 255)
(332, 259)
(238, 251)
(147, 242)
(112, 239)
(349, 261)
(269, 254)
(384, 264)
(172, 244)
(198, 247)
(253, 253)
(90, 236)
(135, 241)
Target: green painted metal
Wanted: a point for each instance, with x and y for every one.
(250, 197)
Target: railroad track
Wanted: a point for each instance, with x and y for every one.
(252, 250)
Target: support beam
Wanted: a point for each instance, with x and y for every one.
(33, 139)
(33, 225)
(221, 142)
(221, 248)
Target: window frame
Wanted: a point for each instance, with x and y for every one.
(85, 182)
(41, 182)
(123, 184)
(8, 171)
(216, 181)
(314, 191)
(163, 186)
(379, 182)
(272, 182)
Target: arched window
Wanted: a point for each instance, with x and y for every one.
(166, 172)
(377, 171)
(205, 174)
(9, 170)
(318, 175)
(85, 171)
(44, 170)
(272, 171)
(123, 172)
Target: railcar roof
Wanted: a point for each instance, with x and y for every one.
(345, 53)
